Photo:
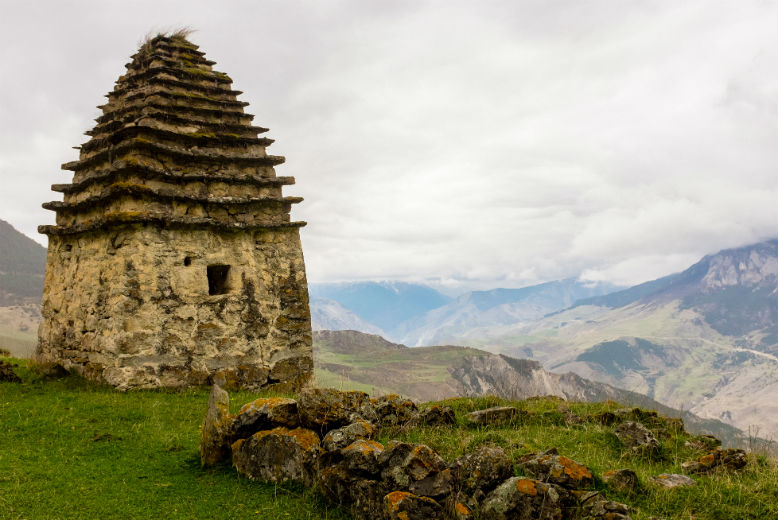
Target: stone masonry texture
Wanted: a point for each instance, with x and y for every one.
(173, 261)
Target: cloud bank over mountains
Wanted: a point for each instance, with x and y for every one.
(471, 145)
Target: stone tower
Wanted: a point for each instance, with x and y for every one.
(173, 261)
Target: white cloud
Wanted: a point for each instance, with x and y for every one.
(502, 143)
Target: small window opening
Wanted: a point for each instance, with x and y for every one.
(217, 279)
(187, 261)
(68, 248)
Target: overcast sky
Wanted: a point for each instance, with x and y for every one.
(469, 144)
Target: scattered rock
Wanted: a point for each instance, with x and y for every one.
(361, 457)
(367, 498)
(404, 463)
(392, 409)
(558, 469)
(524, 498)
(489, 416)
(265, 414)
(604, 418)
(437, 415)
(324, 409)
(401, 505)
(594, 506)
(672, 480)
(460, 511)
(339, 438)
(659, 424)
(336, 484)
(217, 429)
(729, 459)
(622, 480)
(436, 485)
(482, 470)
(362, 496)
(278, 455)
(638, 439)
(705, 442)
(572, 418)
(7, 374)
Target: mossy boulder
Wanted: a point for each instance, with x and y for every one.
(339, 438)
(278, 455)
(325, 409)
(265, 414)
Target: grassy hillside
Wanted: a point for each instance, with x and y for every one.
(19, 329)
(71, 449)
(22, 265)
(351, 360)
(676, 358)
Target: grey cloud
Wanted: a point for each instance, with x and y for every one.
(499, 143)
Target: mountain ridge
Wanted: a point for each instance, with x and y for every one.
(448, 371)
(22, 267)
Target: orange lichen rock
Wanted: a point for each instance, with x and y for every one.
(558, 469)
(526, 486)
(174, 261)
(278, 455)
(401, 505)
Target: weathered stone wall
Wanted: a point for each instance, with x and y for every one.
(131, 307)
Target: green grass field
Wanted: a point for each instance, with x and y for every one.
(73, 449)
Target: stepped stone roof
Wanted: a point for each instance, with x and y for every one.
(173, 146)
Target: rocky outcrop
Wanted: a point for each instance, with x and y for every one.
(7, 373)
(672, 480)
(520, 497)
(341, 437)
(638, 439)
(623, 480)
(492, 416)
(278, 455)
(557, 469)
(725, 460)
(478, 473)
(594, 506)
(436, 415)
(399, 480)
(325, 409)
(263, 414)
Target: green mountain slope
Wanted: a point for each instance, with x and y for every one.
(22, 266)
(703, 340)
(353, 360)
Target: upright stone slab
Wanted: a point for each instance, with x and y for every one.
(173, 261)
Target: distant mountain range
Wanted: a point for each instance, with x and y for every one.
(416, 315)
(385, 305)
(22, 267)
(472, 311)
(705, 340)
